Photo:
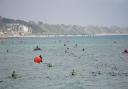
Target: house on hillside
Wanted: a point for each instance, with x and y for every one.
(18, 29)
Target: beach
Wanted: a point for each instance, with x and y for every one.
(78, 62)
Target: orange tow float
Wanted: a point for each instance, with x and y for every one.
(38, 59)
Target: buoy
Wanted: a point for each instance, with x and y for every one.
(38, 59)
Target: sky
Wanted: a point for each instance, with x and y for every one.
(72, 12)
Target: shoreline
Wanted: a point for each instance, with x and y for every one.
(110, 34)
(53, 35)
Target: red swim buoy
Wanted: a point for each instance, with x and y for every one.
(37, 59)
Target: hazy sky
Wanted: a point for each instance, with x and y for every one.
(79, 12)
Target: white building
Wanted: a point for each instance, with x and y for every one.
(19, 29)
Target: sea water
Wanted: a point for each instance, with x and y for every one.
(101, 65)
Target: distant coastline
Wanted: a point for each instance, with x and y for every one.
(21, 28)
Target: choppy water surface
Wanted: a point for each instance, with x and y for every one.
(100, 65)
